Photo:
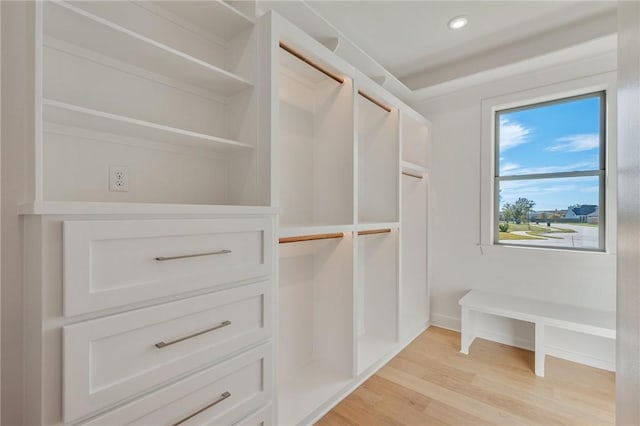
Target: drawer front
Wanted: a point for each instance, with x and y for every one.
(262, 417)
(115, 263)
(110, 359)
(221, 395)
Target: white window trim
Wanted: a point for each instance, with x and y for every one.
(601, 82)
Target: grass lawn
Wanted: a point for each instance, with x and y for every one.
(510, 236)
(534, 232)
(537, 229)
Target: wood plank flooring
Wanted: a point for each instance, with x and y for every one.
(431, 383)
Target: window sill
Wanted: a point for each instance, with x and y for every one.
(497, 249)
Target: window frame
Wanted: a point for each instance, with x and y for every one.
(600, 172)
(606, 82)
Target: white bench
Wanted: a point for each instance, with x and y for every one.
(542, 314)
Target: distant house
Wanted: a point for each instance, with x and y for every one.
(584, 213)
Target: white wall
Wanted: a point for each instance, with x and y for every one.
(628, 312)
(457, 263)
(15, 133)
(0, 214)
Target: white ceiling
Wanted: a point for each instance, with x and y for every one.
(412, 39)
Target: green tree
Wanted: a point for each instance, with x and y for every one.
(522, 207)
(507, 212)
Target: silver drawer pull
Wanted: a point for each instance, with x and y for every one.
(217, 401)
(161, 345)
(186, 256)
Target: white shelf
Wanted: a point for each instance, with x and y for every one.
(72, 115)
(215, 17)
(310, 388)
(76, 26)
(371, 350)
(95, 208)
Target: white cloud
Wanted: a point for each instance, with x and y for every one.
(576, 143)
(509, 168)
(512, 134)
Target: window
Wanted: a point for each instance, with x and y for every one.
(550, 174)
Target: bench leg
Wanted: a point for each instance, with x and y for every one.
(467, 331)
(540, 349)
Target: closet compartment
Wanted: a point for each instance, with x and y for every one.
(316, 324)
(414, 296)
(378, 162)
(148, 88)
(414, 289)
(415, 133)
(316, 146)
(171, 38)
(376, 295)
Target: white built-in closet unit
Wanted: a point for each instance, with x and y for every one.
(150, 299)
(169, 146)
(352, 162)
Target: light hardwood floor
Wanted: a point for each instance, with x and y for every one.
(431, 383)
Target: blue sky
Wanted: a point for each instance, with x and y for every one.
(553, 138)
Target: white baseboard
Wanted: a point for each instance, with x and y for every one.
(506, 339)
(445, 321)
(580, 358)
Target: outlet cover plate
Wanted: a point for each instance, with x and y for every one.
(118, 178)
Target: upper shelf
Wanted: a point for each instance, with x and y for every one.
(86, 118)
(215, 17)
(76, 26)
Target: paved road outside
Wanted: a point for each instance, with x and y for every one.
(584, 237)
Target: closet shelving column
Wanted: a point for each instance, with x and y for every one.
(316, 349)
(164, 89)
(377, 239)
(414, 296)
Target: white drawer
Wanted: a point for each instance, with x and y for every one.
(114, 263)
(220, 395)
(110, 359)
(262, 417)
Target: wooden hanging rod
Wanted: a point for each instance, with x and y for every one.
(308, 61)
(299, 238)
(375, 231)
(373, 100)
(415, 175)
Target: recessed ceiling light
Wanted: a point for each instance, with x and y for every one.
(458, 22)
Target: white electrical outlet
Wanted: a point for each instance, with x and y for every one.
(118, 178)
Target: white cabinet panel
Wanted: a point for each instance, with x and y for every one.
(109, 359)
(262, 417)
(221, 395)
(114, 263)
